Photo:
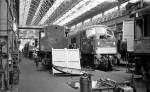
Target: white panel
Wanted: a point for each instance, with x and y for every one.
(106, 50)
(128, 29)
(69, 58)
(128, 34)
(130, 44)
(59, 55)
(73, 55)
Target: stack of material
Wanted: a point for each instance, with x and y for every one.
(104, 85)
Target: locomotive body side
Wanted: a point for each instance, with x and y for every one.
(85, 46)
(142, 42)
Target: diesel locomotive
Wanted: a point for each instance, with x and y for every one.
(97, 46)
(51, 36)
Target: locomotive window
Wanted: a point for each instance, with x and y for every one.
(108, 35)
(109, 32)
(147, 26)
(102, 37)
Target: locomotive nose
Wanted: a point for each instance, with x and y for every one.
(97, 51)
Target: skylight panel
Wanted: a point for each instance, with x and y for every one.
(111, 10)
(87, 20)
(72, 10)
(134, 1)
(97, 16)
(79, 24)
(24, 9)
(86, 7)
(22, 5)
(36, 13)
(51, 10)
(123, 5)
(44, 8)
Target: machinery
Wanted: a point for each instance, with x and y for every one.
(97, 45)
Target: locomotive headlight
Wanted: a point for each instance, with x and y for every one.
(98, 43)
(114, 43)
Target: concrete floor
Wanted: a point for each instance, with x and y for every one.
(32, 80)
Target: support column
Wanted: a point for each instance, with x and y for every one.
(3, 39)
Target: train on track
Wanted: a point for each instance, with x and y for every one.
(54, 37)
(97, 50)
(97, 46)
(29, 48)
(135, 49)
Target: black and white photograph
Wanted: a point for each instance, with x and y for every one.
(74, 45)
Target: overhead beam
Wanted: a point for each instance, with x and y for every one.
(27, 38)
(31, 27)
